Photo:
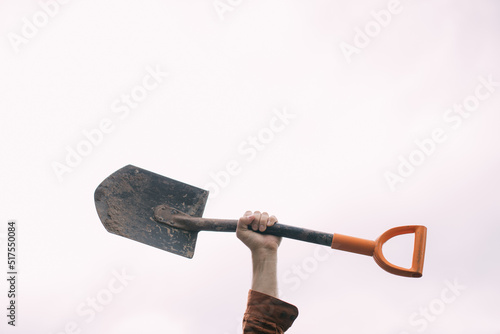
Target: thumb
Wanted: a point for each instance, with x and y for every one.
(246, 220)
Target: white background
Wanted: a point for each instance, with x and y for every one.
(227, 74)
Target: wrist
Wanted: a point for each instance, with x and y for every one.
(264, 254)
(265, 272)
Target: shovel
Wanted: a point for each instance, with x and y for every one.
(164, 213)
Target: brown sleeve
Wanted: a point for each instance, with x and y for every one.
(267, 315)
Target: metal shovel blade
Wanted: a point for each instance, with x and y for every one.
(125, 203)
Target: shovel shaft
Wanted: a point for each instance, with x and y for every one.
(280, 230)
(182, 221)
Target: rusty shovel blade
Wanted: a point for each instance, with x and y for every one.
(125, 203)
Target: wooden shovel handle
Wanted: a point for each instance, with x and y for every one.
(301, 234)
(280, 230)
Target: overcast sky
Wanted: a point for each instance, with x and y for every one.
(346, 117)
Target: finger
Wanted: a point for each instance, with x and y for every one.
(263, 221)
(250, 215)
(255, 222)
(272, 220)
(247, 219)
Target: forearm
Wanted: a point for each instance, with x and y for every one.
(264, 278)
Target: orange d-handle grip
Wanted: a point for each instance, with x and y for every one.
(374, 248)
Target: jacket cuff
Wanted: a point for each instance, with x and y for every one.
(270, 310)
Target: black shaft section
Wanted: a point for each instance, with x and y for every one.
(301, 234)
(280, 230)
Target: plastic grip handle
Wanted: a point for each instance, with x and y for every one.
(417, 265)
(374, 248)
(353, 245)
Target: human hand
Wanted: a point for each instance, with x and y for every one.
(257, 221)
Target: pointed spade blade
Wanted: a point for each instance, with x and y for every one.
(125, 203)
